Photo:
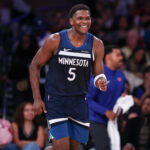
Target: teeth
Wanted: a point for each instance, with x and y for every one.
(84, 26)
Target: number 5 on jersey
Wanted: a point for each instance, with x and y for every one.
(72, 74)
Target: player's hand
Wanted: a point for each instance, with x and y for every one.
(39, 107)
(110, 115)
(102, 84)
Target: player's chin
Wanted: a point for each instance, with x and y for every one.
(84, 31)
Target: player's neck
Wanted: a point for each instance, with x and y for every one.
(76, 36)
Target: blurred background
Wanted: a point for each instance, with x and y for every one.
(25, 24)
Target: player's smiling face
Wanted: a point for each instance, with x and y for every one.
(81, 21)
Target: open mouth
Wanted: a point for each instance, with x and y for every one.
(85, 27)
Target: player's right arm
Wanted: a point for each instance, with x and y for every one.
(98, 49)
(40, 59)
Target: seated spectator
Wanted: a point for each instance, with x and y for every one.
(28, 135)
(144, 89)
(132, 38)
(137, 61)
(139, 93)
(137, 130)
(131, 78)
(19, 73)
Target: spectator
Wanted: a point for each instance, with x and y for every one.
(139, 93)
(101, 103)
(132, 79)
(144, 89)
(19, 73)
(137, 61)
(28, 135)
(137, 130)
(131, 43)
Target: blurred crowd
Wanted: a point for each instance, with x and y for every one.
(125, 23)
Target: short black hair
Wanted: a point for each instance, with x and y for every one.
(78, 7)
(109, 49)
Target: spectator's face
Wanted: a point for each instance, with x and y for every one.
(81, 21)
(116, 58)
(132, 39)
(146, 107)
(139, 55)
(28, 112)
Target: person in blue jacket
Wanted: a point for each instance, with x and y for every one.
(101, 103)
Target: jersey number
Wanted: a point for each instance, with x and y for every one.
(72, 74)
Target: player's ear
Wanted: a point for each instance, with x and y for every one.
(71, 21)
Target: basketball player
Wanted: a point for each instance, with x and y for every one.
(72, 55)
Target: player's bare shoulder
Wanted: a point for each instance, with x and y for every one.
(97, 42)
(52, 42)
(54, 38)
(98, 45)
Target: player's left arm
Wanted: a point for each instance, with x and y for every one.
(100, 80)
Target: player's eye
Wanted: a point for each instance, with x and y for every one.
(80, 18)
(87, 18)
